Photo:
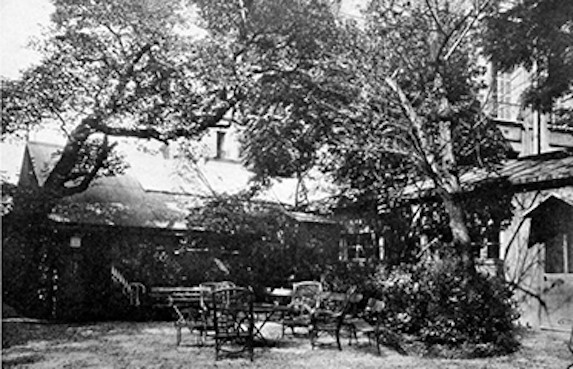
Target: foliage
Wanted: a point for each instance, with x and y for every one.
(487, 210)
(7, 190)
(289, 76)
(26, 286)
(116, 69)
(443, 305)
(536, 35)
(109, 69)
(439, 77)
(44, 278)
(260, 244)
(419, 116)
(342, 275)
(380, 106)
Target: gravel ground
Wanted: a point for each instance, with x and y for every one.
(152, 345)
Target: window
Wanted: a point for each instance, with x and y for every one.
(360, 246)
(489, 245)
(559, 254)
(221, 153)
(503, 96)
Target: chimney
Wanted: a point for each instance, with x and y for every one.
(165, 151)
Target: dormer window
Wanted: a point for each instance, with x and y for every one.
(221, 153)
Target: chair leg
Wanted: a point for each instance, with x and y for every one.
(313, 335)
(178, 334)
(352, 333)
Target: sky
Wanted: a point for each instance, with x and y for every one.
(19, 21)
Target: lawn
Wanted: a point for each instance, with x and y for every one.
(152, 345)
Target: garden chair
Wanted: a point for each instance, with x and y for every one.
(217, 285)
(185, 302)
(209, 288)
(369, 323)
(305, 299)
(233, 321)
(329, 318)
(206, 326)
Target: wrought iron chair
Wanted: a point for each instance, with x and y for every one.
(369, 323)
(233, 321)
(305, 299)
(190, 314)
(329, 318)
(207, 326)
(217, 285)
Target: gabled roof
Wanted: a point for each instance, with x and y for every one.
(43, 158)
(156, 193)
(122, 201)
(550, 200)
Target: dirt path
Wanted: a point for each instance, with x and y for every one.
(152, 345)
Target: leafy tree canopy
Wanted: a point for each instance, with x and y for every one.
(418, 116)
(293, 83)
(382, 105)
(119, 69)
(116, 69)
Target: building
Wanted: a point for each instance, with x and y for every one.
(529, 132)
(130, 231)
(536, 247)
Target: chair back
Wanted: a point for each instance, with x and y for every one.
(207, 288)
(217, 285)
(233, 312)
(307, 294)
(353, 300)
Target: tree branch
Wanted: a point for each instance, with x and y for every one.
(411, 115)
(435, 17)
(102, 155)
(420, 140)
(113, 103)
(144, 133)
(467, 29)
(117, 37)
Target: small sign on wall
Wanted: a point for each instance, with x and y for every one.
(75, 242)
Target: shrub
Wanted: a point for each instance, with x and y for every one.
(445, 305)
(341, 275)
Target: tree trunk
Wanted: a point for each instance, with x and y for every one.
(451, 184)
(460, 233)
(440, 166)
